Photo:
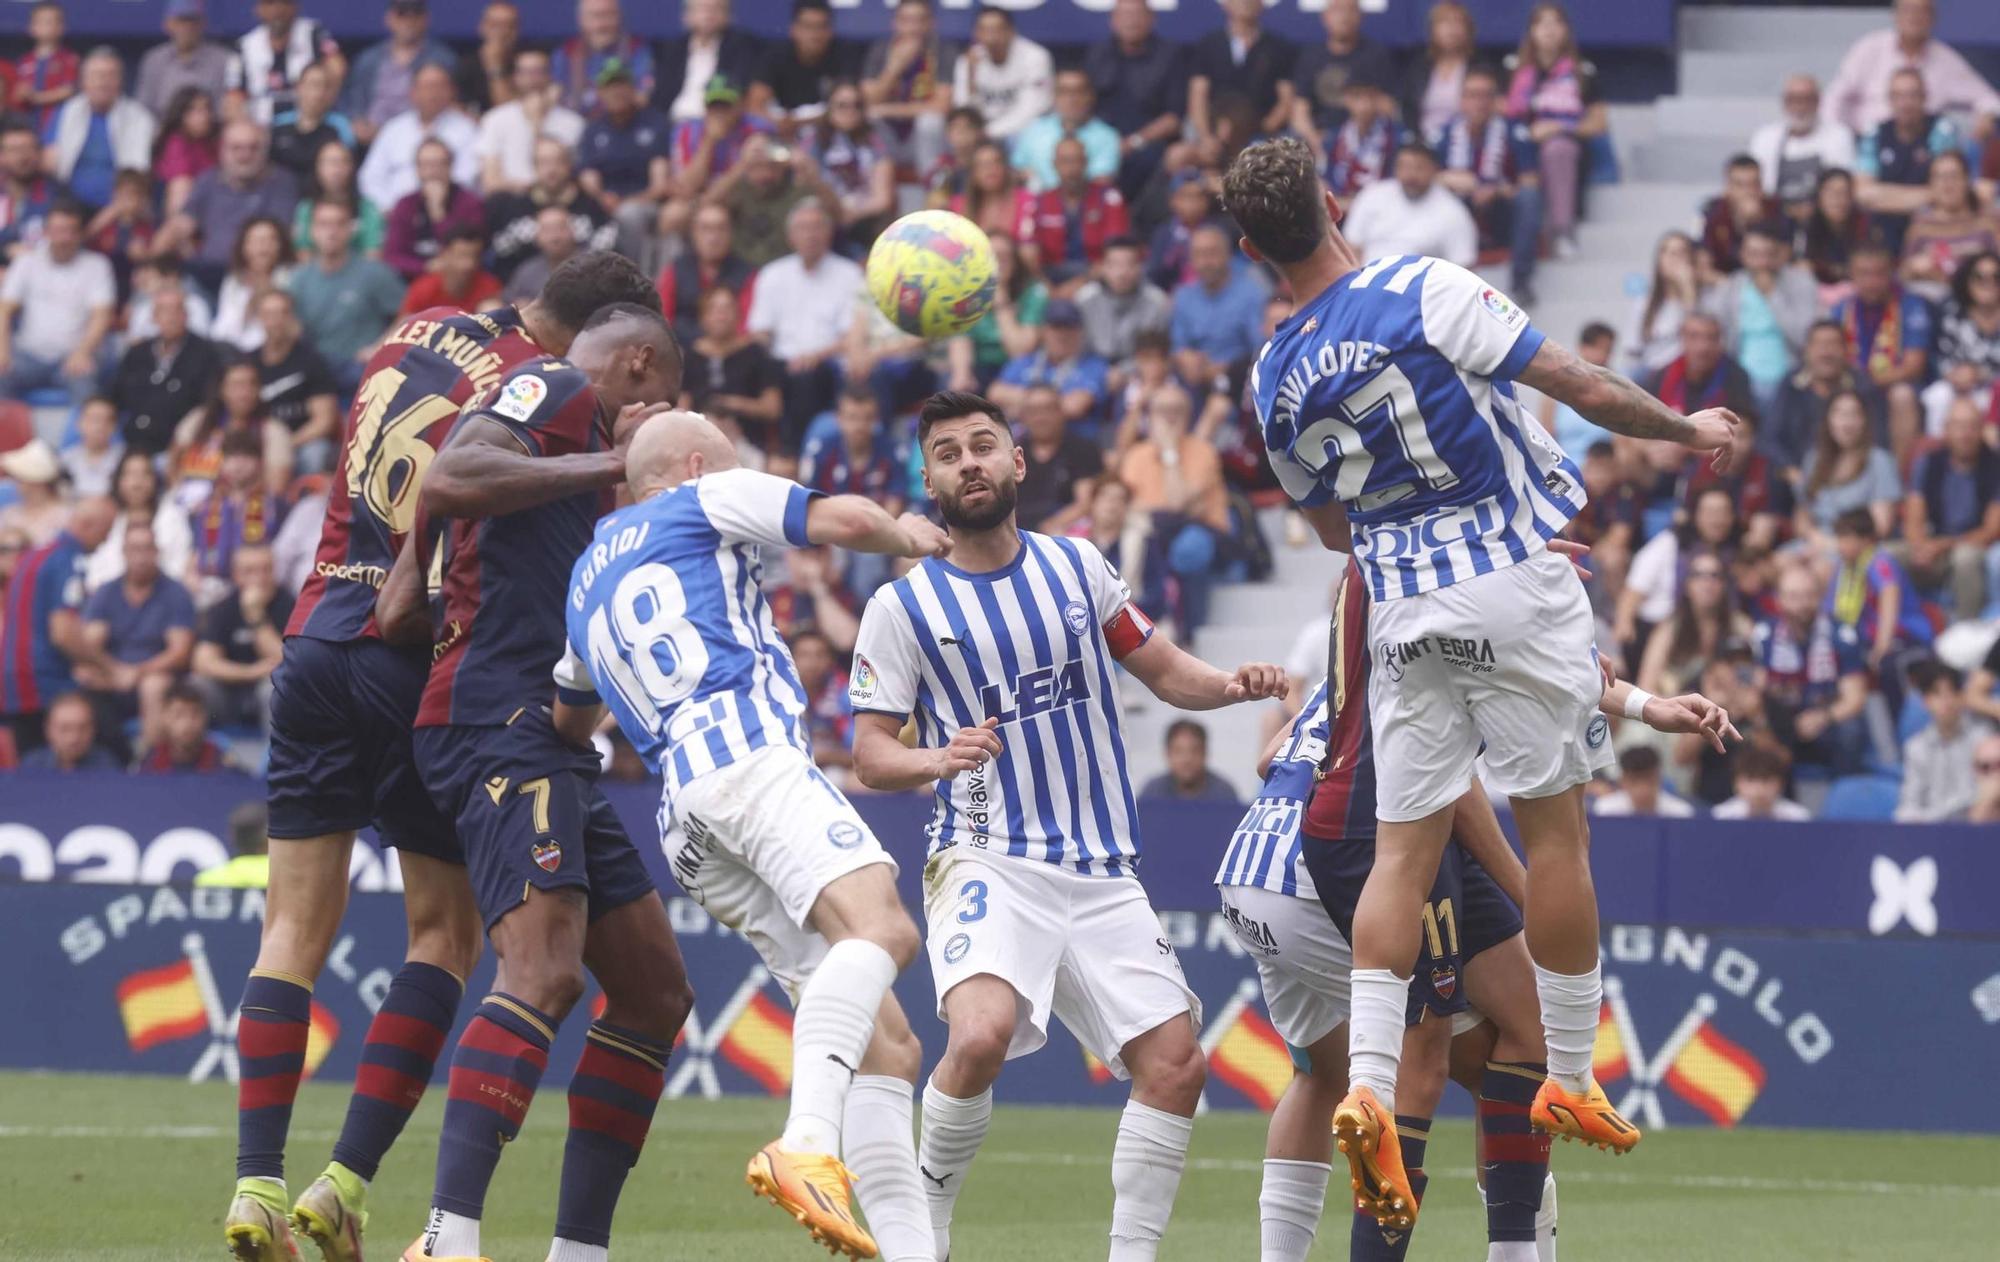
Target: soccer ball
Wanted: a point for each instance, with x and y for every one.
(931, 273)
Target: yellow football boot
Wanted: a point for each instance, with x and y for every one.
(329, 1214)
(815, 1189)
(256, 1229)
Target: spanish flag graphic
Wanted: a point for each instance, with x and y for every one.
(1100, 1073)
(161, 1005)
(759, 1043)
(1608, 1060)
(1716, 1076)
(1252, 1057)
(322, 1030)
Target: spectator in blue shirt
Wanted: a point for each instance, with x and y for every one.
(377, 86)
(1219, 315)
(69, 739)
(1081, 378)
(41, 630)
(99, 132)
(622, 159)
(138, 638)
(1894, 161)
(1034, 153)
(1141, 85)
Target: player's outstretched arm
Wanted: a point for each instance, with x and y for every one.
(1689, 713)
(1619, 404)
(1185, 682)
(859, 523)
(483, 471)
(885, 764)
(402, 614)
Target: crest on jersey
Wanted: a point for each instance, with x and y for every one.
(1444, 980)
(955, 949)
(520, 397)
(1599, 729)
(1077, 618)
(548, 855)
(862, 686)
(844, 834)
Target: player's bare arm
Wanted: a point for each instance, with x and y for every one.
(1476, 827)
(484, 471)
(402, 613)
(1329, 522)
(885, 764)
(1619, 404)
(1185, 682)
(576, 724)
(859, 523)
(1690, 713)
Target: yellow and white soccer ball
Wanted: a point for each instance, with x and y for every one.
(931, 273)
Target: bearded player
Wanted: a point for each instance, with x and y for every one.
(1005, 657)
(342, 704)
(1387, 405)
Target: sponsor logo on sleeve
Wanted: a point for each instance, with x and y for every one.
(520, 397)
(955, 949)
(865, 682)
(1501, 308)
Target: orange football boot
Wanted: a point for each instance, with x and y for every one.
(1588, 1117)
(815, 1189)
(1367, 1134)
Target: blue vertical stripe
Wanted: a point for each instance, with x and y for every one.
(1058, 720)
(1107, 705)
(1091, 783)
(1039, 769)
(1006, 763)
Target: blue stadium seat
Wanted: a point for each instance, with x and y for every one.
(1913, 719)
(1862, 797)
(47, 397)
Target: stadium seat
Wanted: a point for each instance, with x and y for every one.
(1863, 797)
(17, 424)
(47, 397)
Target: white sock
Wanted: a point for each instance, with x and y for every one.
(1510, 1251)
(878, 1144)
(1545, 1222)
(450, 1235)
(1376, 1014)
(835, 1021)
(1570, 1006)
(1146, 1165)
(1289, 1207)
(575, 1251)
(953, 1131)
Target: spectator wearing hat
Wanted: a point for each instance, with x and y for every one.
(1413, 213)
(161, 378)
(1641, 789)
(1076, 216)
(906, 80)
(242, 640)
(1121, 304)
(62, 335)
(42, 632)
(802, 306)
(98, 132)
(1004, 74)
(138, 635)
(389, 172)
(382, 81)
(1322, 72)
(67, 740)
(709, 45)
(795, 78)
(622, 160)
(508, 131)
(1218, 315)
(243, 185)
(706, 150)
(510, 217)
(601, 36)
(345, 301)
(1081, 379)
(188, 59)
(264, 73)
(1140, 81)
(40, 509)
(1073, 118)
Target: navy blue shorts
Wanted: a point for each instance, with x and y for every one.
(529, 814)
(1465, 914)
(340, 746)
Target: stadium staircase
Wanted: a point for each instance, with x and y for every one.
(1732, 62)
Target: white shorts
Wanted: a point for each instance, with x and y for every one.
(1304, 963)
(1087, 948)
(1506, 658)
(755, 842)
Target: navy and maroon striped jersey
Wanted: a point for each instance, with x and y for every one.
(1343, 805)
(498, 587)
(425, 371)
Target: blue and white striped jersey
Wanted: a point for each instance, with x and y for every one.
(1265, 851)
(667, 617)
(1032, 644)
(1393, 392)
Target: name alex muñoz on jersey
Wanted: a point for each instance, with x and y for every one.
(1031, 644)
(1265, 851)
(667, 623)
(1392, 391)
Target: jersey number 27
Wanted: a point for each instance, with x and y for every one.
(1388, 391)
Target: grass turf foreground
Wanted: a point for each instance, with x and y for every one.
(124, 1169)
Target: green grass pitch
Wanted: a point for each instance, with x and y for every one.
(110, 1169)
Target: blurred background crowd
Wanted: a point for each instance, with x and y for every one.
(203, 245)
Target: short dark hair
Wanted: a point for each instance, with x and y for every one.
(1871, 247)
(250, 828)
(992, 10)
(67, 206)
(952, 405)
(1761, 762)
(1927, 674)
(1737, 161)
(1776, 230)
(583, 284)
(1596, 331)
(1273, 193)
(1856, 521)
(1187, 727)
(1640, 760)
(808, 6)
(969, 113)
(801, 635)
(1820, 325)
(185, 692)
(1123, 241)
(1602, 449)
(1420, 149)
(857, 391)
(242, 442)
(650, 321)
(466, 232)
(1153, 340)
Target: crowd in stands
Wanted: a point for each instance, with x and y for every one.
(203, 248)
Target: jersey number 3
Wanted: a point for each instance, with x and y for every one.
(642, 644)
(1385, 401)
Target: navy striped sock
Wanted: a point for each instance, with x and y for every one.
(1370, 1241)
(1516, 1159)
(618, 1082)
(494, 1073)
(403, 1043)
(271, 1029)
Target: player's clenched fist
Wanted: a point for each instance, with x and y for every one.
(1254, 681)
(923, 537)
(970, 749)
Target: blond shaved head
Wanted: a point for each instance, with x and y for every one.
(673, 447)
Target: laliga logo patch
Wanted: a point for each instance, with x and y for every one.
(955, 949)
(521, 396)
(862, 686)
(1903, 894)
(1498, 307)
(1444, 980)
(548, 855)
(843, 835)
(1599, 729)
(1077, 617)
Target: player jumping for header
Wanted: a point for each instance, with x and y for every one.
(1004, 655)
(669, 627)
(1387, 404)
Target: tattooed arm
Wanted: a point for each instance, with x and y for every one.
(1621, 406)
